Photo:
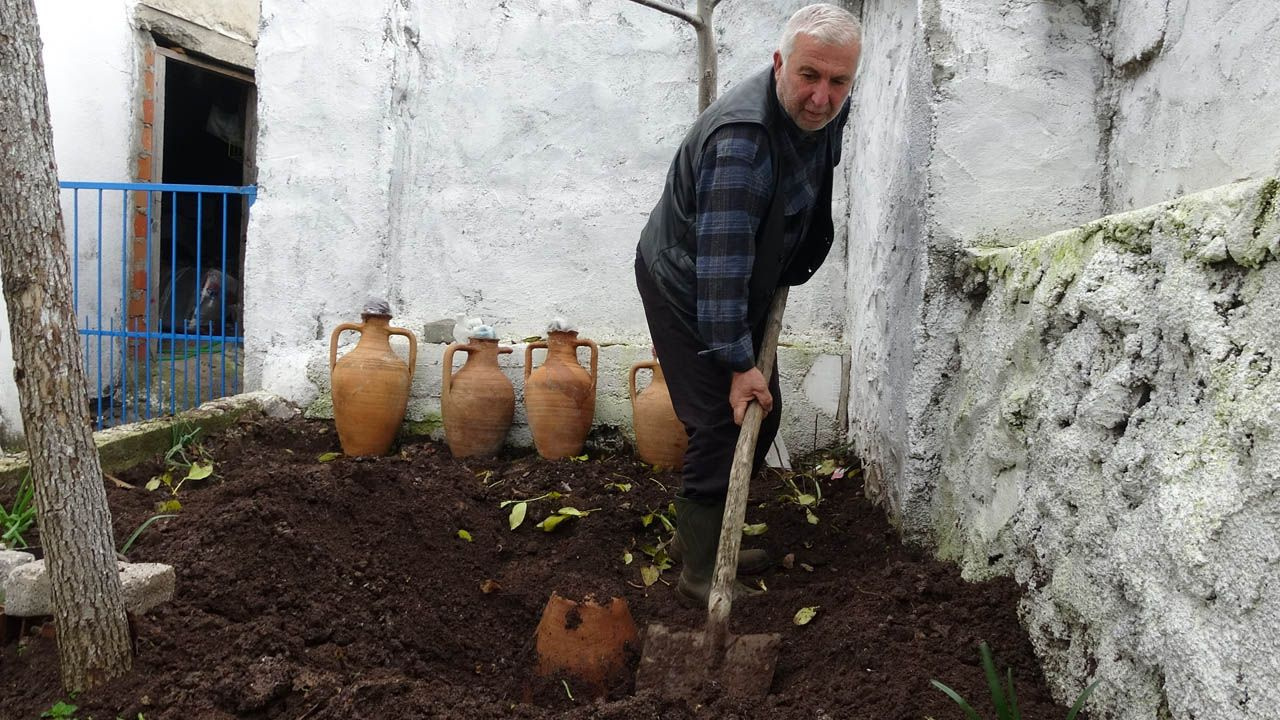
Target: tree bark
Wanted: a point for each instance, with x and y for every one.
(707, 66)
(707, 55)
(71, 501)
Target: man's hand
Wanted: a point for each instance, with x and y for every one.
(748, 386)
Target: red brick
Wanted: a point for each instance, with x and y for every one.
(149, 111)
(144, 165)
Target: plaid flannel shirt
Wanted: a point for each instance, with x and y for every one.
(735, 187)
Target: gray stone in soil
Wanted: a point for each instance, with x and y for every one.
(146, 585)
(10, 559)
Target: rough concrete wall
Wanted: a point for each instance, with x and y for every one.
(1193, 97)
(495, 161)
(1113, 440)
(235, 19)
(886, 173)
(1013, 151)
(90, 67)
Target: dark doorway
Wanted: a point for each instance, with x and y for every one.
(207, 127)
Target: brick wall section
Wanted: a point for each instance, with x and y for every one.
(145, 171)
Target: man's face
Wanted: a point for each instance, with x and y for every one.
(814, 82)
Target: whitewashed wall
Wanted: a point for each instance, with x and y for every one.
(1194, 96)
(490, 160)
(988, 125)
(1113, 439)
(90, 66)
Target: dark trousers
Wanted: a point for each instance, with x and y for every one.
(700, 393)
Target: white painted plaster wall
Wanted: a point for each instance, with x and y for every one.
(1112, 438)
(886, 172)
(90, 68)
(1037, 116)
(235, 19)
(489, 160)
(1195, 99)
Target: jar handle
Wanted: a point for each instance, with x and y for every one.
(333, 341)
(595, 357)
(528, 356)
(448, 368)
(631, 382)
(413, 347)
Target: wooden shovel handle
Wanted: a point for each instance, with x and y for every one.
(720, 601)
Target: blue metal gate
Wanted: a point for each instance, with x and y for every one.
(156, 289)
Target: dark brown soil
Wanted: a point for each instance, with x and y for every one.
(341, 589)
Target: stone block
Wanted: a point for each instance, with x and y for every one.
(146, 585)
(10, 559)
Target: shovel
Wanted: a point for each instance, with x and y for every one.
(685, 664)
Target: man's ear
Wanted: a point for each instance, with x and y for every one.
(777, 61)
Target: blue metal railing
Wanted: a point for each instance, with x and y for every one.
(169, 287)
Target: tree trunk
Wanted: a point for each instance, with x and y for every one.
(71, 501)
(707, 54)
(701, 23)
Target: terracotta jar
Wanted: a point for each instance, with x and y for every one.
(478, 401)
(660, 436)
(589, 641)
(560, 396)
(370, 385)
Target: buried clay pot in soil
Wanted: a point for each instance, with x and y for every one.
(348, 588)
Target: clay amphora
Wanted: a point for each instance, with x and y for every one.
(478, 401)
(589, 641)
(660, 436)
(560, 396)
(370, 386)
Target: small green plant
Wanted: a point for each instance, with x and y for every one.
(60, 709)
(520, 508)
(660, 563)
(1002, 695)
(186, 459)
(133, 536)
(17, 519)
(552, 521)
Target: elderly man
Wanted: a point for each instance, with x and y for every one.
(746, 210)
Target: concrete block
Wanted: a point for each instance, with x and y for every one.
(10, 559)
(146, 585)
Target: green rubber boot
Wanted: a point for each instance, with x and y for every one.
(698, 527)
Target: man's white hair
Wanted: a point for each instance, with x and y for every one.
(828, 24)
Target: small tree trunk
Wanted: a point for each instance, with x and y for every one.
(707, 69)
(706, 43)
(71, 502)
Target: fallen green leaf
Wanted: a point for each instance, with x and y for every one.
(757, 529)
(805, 615)
(531, 338)
(649, 574)
(813, 519)
(575, 512)
(805, 499)
(626, 558)
(329, 456)
(464, 535)
(200, 470)
(551, 522)
(153, 483)
(827, 467)
(168, 506)
(517, 514)
(579, 458)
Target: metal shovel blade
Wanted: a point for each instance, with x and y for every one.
(683, 664)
